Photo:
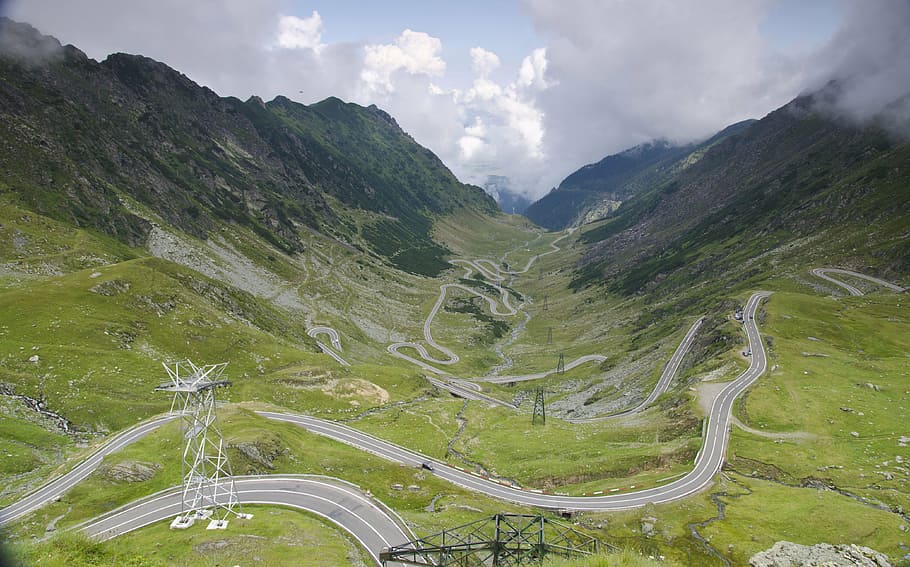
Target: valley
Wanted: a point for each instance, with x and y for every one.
(717, 331)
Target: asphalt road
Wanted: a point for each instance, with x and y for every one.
(823, 274)
(374, 526)
(491, 272)
(333, 338)
(707, 463)
(60, 485)
(665, 378)
(338, 502)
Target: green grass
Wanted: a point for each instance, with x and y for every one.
(624, 558)
(854, 342)
(275, 536)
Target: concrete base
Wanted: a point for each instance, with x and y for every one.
(217, 525)
(182, 522)
(245, 516)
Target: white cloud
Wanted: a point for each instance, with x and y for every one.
(611, 74)
(478, 129)
(484, 62)
(415, 52)
(301, 33)
(621, 73)
(533, 70)
(483, 89)
(470, 146)
(868, 57)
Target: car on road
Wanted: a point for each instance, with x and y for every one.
(427, 465)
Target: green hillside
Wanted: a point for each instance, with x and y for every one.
(89, 133)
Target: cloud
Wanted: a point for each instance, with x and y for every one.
(484, 62)
(301, 33)
(533, 70)
(869, 59)
(415, 52)
(611, 73)
(621, 73)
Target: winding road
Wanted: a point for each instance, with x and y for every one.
(58, 486)
(823, 274)
(374, 525)
(338, 502)
(707, 463)
(333, 338)
(666, 377)
(491, 272)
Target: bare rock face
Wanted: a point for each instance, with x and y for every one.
(132, 471)
(786, 554)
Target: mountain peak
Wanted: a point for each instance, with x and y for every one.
(24, 43)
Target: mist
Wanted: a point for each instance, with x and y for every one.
(867, 64)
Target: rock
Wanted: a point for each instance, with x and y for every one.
(132, 471)
(110, 287)
(34, 358)
(647, 526)
(786, 554)
(260, 453)
(872, 386)
(902, 441)
(854, 434)
(413, 488)
(397, 486)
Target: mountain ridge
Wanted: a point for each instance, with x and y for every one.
(784, 181)
(199, 159)
(597, 189)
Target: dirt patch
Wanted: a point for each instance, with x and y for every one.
(706, 392)
(356, 388)
(793, 435)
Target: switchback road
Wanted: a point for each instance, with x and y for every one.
(823, 274)
(707, 463)
(336, 501)
(333, 338)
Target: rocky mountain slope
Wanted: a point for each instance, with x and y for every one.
(798, 184)
(598, 189)
(80, 138)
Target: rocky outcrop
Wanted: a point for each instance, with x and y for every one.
(786, 554)
(131, 471)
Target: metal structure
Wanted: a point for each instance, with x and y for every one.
(503, 540)
(561, 365)
(208, 487)
(549, 335)
(545, 306)
(540, 407)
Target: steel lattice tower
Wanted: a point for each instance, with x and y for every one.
(540, 407)
(208, 487)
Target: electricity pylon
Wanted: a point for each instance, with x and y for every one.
(561, 365)
(540, 407)
(208, 487)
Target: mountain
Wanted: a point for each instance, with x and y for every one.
(597, 189)
(500, 187)
(82, 139)
(800, 186)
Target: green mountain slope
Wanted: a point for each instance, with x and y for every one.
(597, 189)
(796, 185)
(79, 134)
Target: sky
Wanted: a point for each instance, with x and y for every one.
(527, 89)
